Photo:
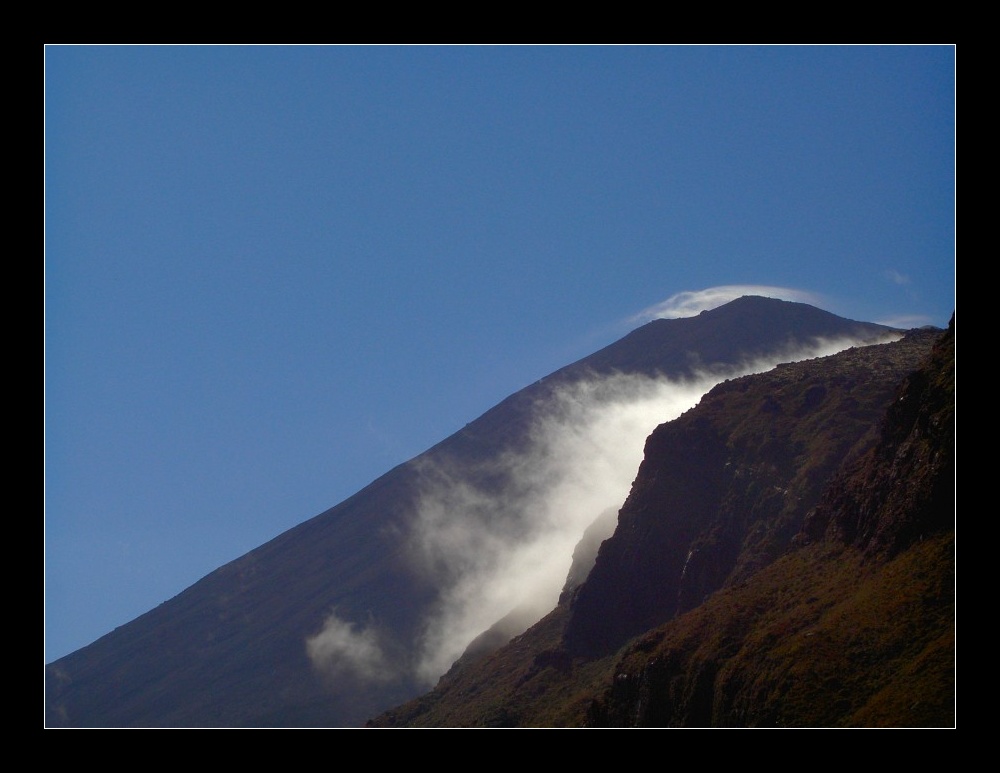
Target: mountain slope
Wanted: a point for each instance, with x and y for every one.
(732, 485)
(343, 589)
(785, 557)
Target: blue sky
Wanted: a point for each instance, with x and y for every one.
(274, 273)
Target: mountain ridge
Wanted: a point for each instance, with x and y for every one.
(231, 649)
(850, 624)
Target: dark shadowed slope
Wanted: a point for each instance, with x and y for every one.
(231, 649)
(725, 488)
(855, 628)
(785, 558)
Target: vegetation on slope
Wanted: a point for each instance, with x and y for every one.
(818, 639)
(851, 625)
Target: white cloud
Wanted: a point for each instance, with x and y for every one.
(342, 648)
(895, 277)
(492, 554)
(906, 321)
(693, 302)
(491, 551)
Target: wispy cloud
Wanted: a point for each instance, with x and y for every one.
(491, 551)
(499, 537)
(895, 277)
(906, 321)
(692, 302)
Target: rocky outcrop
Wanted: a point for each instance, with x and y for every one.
(725, 488)
(854, 626)
(812, 583)
(903, 489)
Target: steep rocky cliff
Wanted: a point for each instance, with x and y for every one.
(785, 558)
(904, 487)
(724, 489)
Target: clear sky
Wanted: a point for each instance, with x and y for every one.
(273, 273)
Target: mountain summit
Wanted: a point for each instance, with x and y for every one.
(363, 606)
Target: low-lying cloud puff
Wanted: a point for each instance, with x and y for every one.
(499, 537)
(342, 648)
(693, 302)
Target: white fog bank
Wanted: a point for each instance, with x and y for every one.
(490, 555)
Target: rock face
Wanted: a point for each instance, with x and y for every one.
(904, 488)
(231, 650)
(853, 627)
(785, 558)
(724, 489)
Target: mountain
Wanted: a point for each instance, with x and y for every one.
(328, 623)
(785, 558)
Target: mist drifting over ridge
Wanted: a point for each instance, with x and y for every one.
(445, 556)
(498, 536)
